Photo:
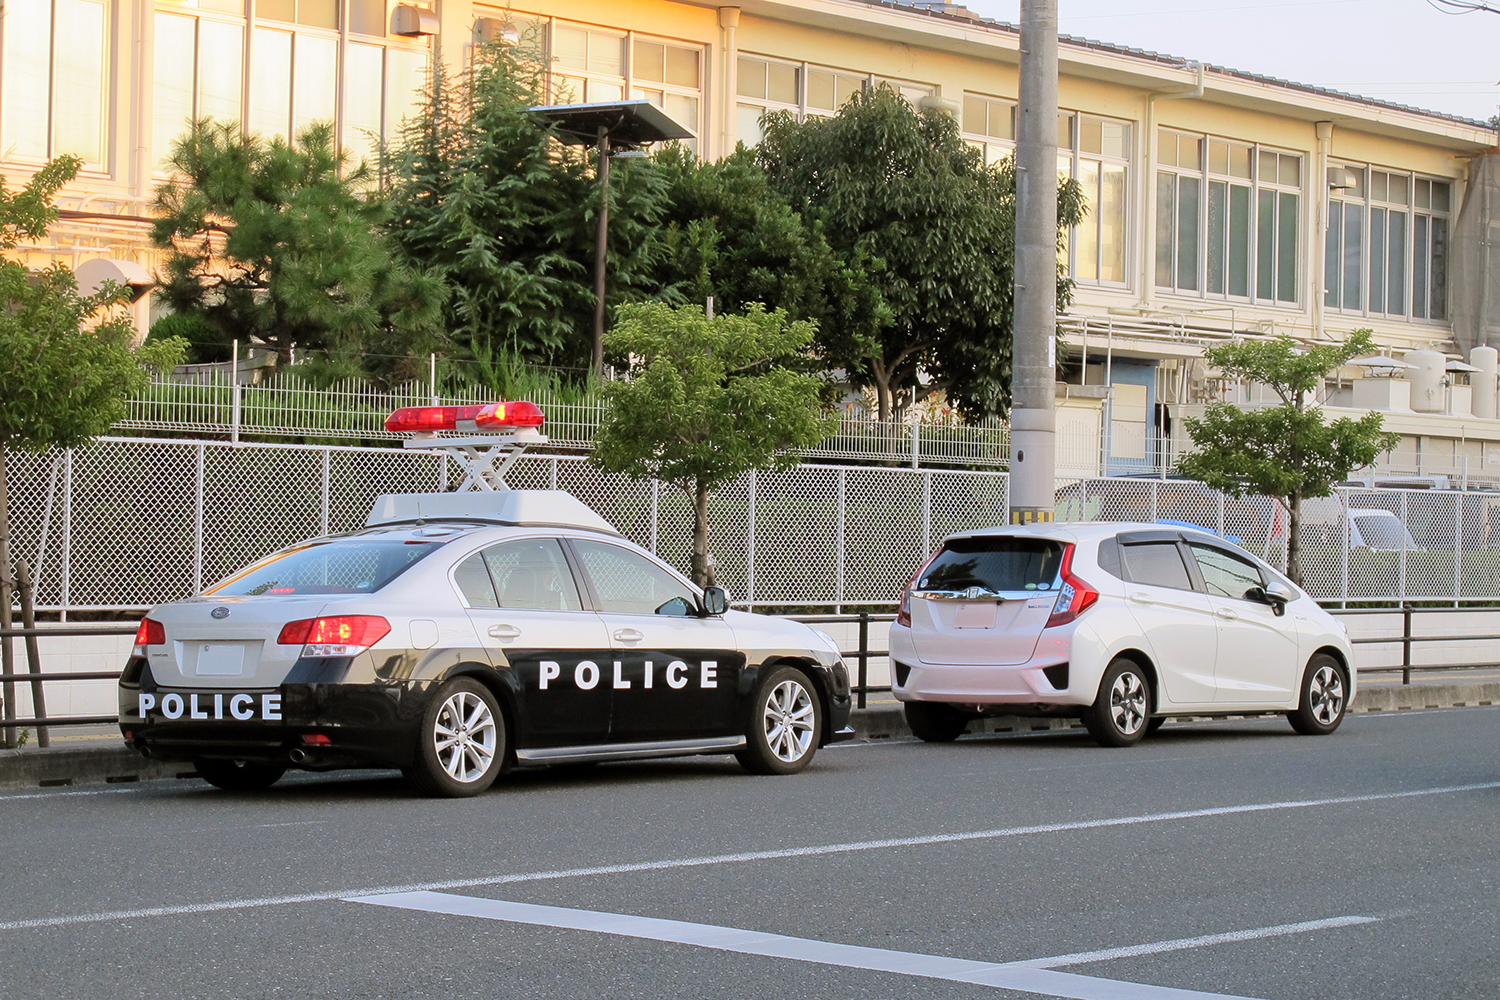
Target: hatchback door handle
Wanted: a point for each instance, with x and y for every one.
(628, 635)
(1227, 613)
(1141, 599)
(504, 631)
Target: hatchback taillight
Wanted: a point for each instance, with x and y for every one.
(1074, 597)
(903, 613)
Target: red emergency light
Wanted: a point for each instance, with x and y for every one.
(477, 417)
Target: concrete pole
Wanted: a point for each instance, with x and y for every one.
(1033, 419)
(601, 248)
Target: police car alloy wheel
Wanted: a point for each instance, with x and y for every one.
(463, 741)
(1323, 701)
(1118, 716)
(784, 725)
(238, 775)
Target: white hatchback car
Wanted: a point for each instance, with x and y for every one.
(1122, 625)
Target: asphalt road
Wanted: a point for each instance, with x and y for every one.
(1228, 858)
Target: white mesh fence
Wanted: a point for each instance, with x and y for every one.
(128, 523)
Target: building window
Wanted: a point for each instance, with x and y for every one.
(295, 57)
(588, 65)
(1386, 251)
(1096, 153)
(989, 125)
(52, 89)
(802, 90)
(1226, 218)
(670, 77)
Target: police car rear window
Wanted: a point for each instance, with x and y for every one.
(347, 566)
(994, 563)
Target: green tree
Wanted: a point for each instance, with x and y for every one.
(729, 234)
(913, 209)
(706, 401)
(483, 192)
(282, 245)
(1287, 451)
(66, 362)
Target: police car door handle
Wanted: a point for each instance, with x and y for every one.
(628, 635)
(504, 632)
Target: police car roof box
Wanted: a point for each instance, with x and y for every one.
(540, 508)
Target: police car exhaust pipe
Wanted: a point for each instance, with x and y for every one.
(299, 756)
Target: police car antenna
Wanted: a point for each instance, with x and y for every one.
(494, 432)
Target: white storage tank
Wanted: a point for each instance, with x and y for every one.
(1483, 382)
(1426, 377)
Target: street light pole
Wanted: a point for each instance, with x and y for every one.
(601, 251)
(1033, 419)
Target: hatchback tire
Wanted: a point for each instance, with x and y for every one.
(1120, 714)
(935, 722)
(239, 775)
(1325, 697)
(785, 721)
(461, 743)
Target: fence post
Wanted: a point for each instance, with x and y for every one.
(1221, 513)
(1401, 564)
(864, 655)
(234, 395)
(65, 596)
(916, 447)
(1405, 643)
(198, 500)
(838, 579)
(926, 514)
(750, 547)
(33, 654)
(552, 473)
(655, 511)
(1344, 542)
(1458, 546)
(327, 488)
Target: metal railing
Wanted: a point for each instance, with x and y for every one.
(40, 719)
(862, 654)
(1406, 639)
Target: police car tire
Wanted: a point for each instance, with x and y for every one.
(238, 775)
(784, 692)
(427, 773)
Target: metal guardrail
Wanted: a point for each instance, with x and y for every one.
(1407, 639)
(862, 654)
(40, 720)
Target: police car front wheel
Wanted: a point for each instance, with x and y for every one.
(462, 743)
(785, 720)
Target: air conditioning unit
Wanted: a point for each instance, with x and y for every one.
(412, 21)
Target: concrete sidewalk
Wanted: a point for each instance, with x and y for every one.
(100, 757)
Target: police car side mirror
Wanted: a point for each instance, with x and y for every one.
(715, 601)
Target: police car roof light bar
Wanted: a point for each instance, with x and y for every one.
(476, 454)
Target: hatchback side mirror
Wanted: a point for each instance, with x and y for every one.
(1275, 593)
(715, 601)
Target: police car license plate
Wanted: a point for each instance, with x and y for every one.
(220, 660)
(199, 706)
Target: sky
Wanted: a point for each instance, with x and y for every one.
(1396, 50)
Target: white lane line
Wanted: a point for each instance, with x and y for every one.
(61, 794)
(1203, 941)
(1028, 977)
(721, 859)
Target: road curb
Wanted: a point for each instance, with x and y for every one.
(101, 765)
(883, 722)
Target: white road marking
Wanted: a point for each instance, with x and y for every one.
(1179, 944)
(61, 794)
(1028, 977)
(720, 859)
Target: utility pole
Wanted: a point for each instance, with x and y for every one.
(601, 253)
(1033, 418)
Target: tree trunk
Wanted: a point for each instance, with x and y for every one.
(1294, 538)
(7, 594)
(703, 574)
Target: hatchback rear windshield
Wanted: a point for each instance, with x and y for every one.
(347, 566)
(995, 564)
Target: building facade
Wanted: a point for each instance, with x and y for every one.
(1220, 203)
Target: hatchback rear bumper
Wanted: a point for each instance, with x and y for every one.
(984, 684)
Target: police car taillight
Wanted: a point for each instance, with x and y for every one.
(477, 417)
(150, 633)
(339, 635)
(1074, 597)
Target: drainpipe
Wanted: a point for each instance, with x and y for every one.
(1147, 276)
(729, 20)
(1320, 240)
(145, 54)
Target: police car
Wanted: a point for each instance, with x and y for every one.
(458, 635)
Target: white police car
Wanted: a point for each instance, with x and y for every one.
(460, 634)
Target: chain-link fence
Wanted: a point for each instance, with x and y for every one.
(131, 522)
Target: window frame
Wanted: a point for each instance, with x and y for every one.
(1206, 176)
(802, 110)
(102, 165)
(1076, 156)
